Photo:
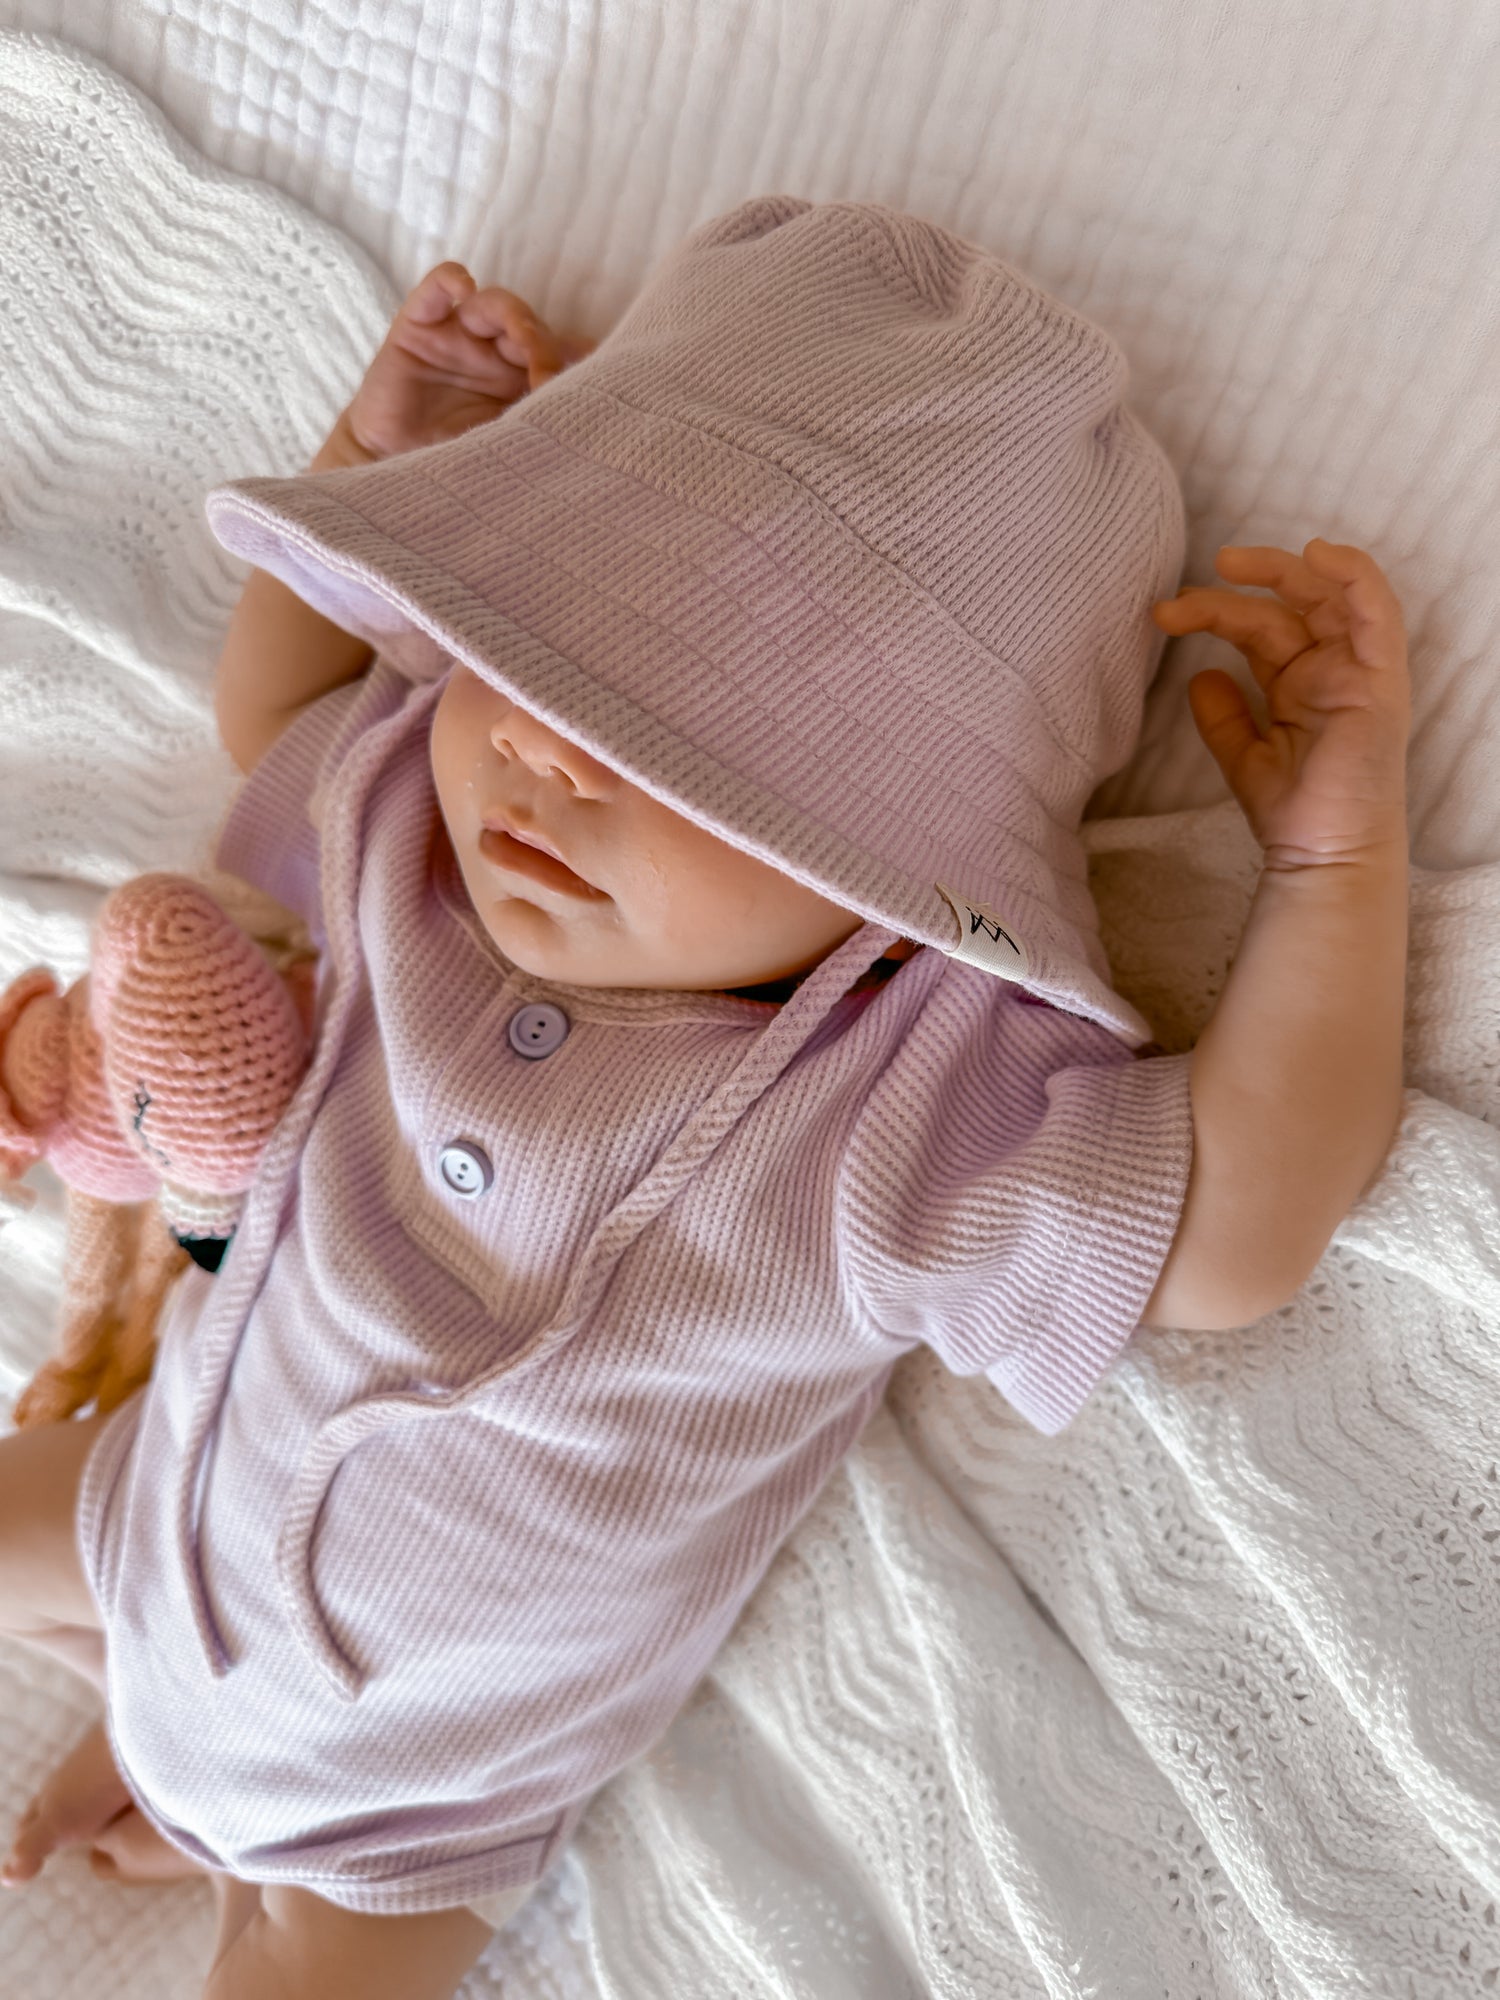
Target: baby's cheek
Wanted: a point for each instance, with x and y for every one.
(648, 879)
(663, 899)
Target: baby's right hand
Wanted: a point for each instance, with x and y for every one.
(455, 356)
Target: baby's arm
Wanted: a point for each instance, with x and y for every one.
(298, 1946)
(1296, 1082)
(455, 356)
(279, 655)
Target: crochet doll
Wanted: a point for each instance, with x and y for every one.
(150, 1087)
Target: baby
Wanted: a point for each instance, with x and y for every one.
(677, 750)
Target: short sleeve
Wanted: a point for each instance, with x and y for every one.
(1011, 1191)
(270, 836)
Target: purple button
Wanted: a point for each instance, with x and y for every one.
(466, 1168)
(538, 1029)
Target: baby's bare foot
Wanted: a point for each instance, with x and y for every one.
(77, 1802)
(87, 1802)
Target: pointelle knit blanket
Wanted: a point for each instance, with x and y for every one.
(1198, 1698)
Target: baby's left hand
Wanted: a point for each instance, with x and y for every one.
(1327, 782)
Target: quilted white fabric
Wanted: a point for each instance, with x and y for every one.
(1198, 1698)
(1284, 213)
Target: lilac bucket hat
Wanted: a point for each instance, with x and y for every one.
(841, 544)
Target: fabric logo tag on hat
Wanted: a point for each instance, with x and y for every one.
(984, 938)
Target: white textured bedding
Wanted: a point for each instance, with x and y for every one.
(1198, 1697)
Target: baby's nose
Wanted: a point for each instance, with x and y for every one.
(542, 750)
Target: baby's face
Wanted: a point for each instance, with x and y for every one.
(641, 896)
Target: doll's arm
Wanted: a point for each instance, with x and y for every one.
(298, 1946)
(1296, 1082)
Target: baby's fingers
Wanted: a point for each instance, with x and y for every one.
(1267, 633)
(1223, 718)
(519, 336)
(1291, 577)
(1340, 591)
(1377, 631)
(435, 296)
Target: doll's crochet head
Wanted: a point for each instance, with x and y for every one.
(156, 1078)
(166, 1065)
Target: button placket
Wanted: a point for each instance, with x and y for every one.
(450, 1187)
(533, 1031)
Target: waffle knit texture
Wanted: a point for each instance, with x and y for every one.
(842, 543)
(440, 1503)
(485, 1482)
(1191, 1699)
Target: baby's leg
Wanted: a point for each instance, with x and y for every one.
(42, 1584)
(45, 1599)
(45, 1602)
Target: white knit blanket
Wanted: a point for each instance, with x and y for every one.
(1200, 1698)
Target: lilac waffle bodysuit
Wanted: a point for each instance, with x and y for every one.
(549, 1313)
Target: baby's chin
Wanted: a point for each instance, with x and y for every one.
(570, 950)
(562, 952)
(536, 941)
